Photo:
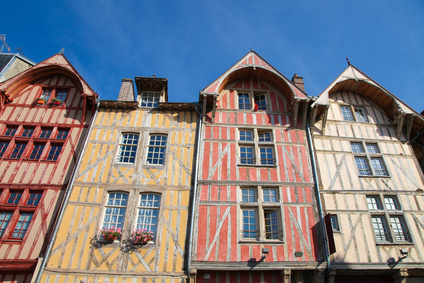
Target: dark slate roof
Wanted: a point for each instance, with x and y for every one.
(4, 60)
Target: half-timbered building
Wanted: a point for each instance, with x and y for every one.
(136, 173)
(255, 216)
(370, 181)
(44, 116)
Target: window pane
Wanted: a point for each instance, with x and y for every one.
(378, 166)
(248, 195)
(267, 155)
(115, 210)
(36, 152)
(360, 115)
(61, 94)
(244, 101)
(271, 224)
(18, 150)
(22, 225)
(380, 228)
(62, 134)
(399, 228)
(373, 203)
(156, 151)
(150, 99)
(334, 223)
(45, 133)
(54, 152)
(246, 135)
(128, 148)
(357, 147)
(391, 203)
(372, 148)
(34, 199)
(27, 132)
(4, 220)
(347, 113)
(10, 131)
(3, 147)
(270, 195)
(362, 165)
(46, 94)
(260, 101)
(249, 223)
(246, 155)
(148, 213)
(264, 136)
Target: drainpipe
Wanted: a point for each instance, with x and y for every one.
(65, 200)
(193, 203)
(314, 171)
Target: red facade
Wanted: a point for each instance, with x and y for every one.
(45, 114)
(256, 210)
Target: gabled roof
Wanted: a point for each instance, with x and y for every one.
(252, 65)
(57, 64)
(354, 80)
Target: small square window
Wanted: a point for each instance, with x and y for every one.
(334, 223)
(260, 101)
(373, 203)
(46, 133)
(34, 198)
(360, 115)
(372, 148)
(27, 132)
(4, 221)
(61, 95)
(246, 135)
(36, 152)
(357, 147)
(391, 203)
(248, 195)
(45, 95)
(54, 152)
(3, 147)
(150, 99)
(22, 225)
(10, 131)
(270, 195)
(14, 197)
(18, 150)
(347, 113)
(246, 155)
(264, 136)
(62, 134)
(266, 155)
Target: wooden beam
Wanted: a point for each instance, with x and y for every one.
(313, 116)
(295, 111)
(324, 119)
(214, 107)
(400, 121)
(409, 124)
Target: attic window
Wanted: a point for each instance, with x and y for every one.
(150, 99)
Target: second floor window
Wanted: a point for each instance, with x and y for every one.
(128, 148)
(115, 210)
(256, 147)
(369, 162)
(156, 149)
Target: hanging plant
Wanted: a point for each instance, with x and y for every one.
(56, 101)
(110, 234)
(141, 237)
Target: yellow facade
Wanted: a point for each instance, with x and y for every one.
(77, 254)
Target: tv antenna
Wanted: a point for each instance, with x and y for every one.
(3, 38)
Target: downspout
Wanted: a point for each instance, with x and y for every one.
(315, 174)
(65, 200)
(193, 203)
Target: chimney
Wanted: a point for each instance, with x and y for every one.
(298, 81)
(127, 90)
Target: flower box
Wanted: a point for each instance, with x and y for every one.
(110, 234)
(141, 237)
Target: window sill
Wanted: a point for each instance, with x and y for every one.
(394, 244)
(257, 165)
(268, 242)
(13, 241)
(373, 176)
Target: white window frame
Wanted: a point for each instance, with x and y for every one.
(156, 147)
(252, 97)
(150, 99)
(368, 159)
(128, 145)
(115, 209)
(263, 149)
(260, 204)
(387, 219)
(147, 211)
(352, 113)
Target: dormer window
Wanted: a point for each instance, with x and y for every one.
(150, 99)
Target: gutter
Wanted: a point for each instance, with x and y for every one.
(65, 200)
(315, 174)
(193, 204)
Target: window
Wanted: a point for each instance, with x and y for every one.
(334, 223)
(156, 149)
(54, 152)
(45, 133)
(27, 132)
(397, 231)
(150, 99)
(260, 101)
(10, 131)
(36, 151)
(254, 143)
(257, 204)
(244, 101)
(148, 213)
(3, 147)
(62, 134)
(115, 210)
(372, 156)
(18, 208)
(61, 95)
(128, 148)
(18, 150)
(45, 95)
(347, 113)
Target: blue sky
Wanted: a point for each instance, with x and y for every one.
(193, 42)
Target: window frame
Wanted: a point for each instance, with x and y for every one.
(152, 209)
(127, 145)
(156, 149)
(263, 151)
(150, 99)
(351, 113)
(50, 93)
(252, 100)
(379, 210)
(253, 213)
(365, 161)
(16, 209)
